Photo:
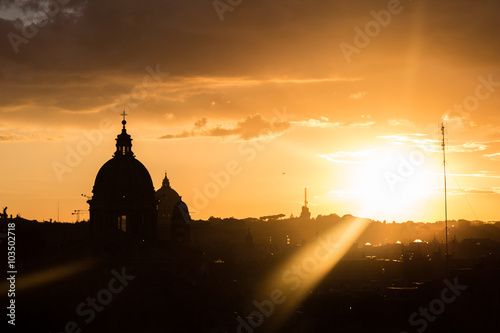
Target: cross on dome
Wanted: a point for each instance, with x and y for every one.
(124, 141)
(124, 121)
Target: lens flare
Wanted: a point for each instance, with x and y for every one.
(300, 274)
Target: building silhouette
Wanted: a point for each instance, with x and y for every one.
(123, 194)
(180, 223)
(305, 214)
(167, 198)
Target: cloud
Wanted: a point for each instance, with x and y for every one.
(324, 122)
(493, 157)
(347, 157)
(467, 147)
(365, 124)
(468, 190)
(340, 193)
(93, 52)
(253, 127)
(456, 120)
(10, 137)
(414, 140)
(25, 13)
(400, 122)
(358, 95)
(472, 175)
(200, 123)
(435, 145)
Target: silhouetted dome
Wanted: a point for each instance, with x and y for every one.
(124, 178)
(123, 194)
(167, 197)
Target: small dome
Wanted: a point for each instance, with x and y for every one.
(167, 197)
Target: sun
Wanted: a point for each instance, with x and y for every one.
(394, 183)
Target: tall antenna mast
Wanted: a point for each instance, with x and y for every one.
(445, 199)
(305, 196)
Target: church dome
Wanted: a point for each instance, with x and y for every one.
(123, 178)
(167, 197)
(123, 194)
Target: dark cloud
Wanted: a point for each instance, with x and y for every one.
(92, 52)
(200, 123)
(287, 37)
(254, 126)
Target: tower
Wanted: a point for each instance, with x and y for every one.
(305, 214)
(123, 194)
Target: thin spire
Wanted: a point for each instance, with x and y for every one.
(305, 196)
(445, 199)
(166, 182)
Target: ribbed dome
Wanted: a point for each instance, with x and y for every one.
(123, 178)
(124, 196)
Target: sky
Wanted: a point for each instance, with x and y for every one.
(244, 103)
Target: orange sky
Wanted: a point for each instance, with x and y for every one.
(343, 98)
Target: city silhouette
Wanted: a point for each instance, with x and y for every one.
(249, 166)
(273, 273)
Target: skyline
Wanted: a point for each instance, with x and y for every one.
(344, 99)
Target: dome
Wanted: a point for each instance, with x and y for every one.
(167, 193)
(166, 197)
(123, 194)
(123, 178)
